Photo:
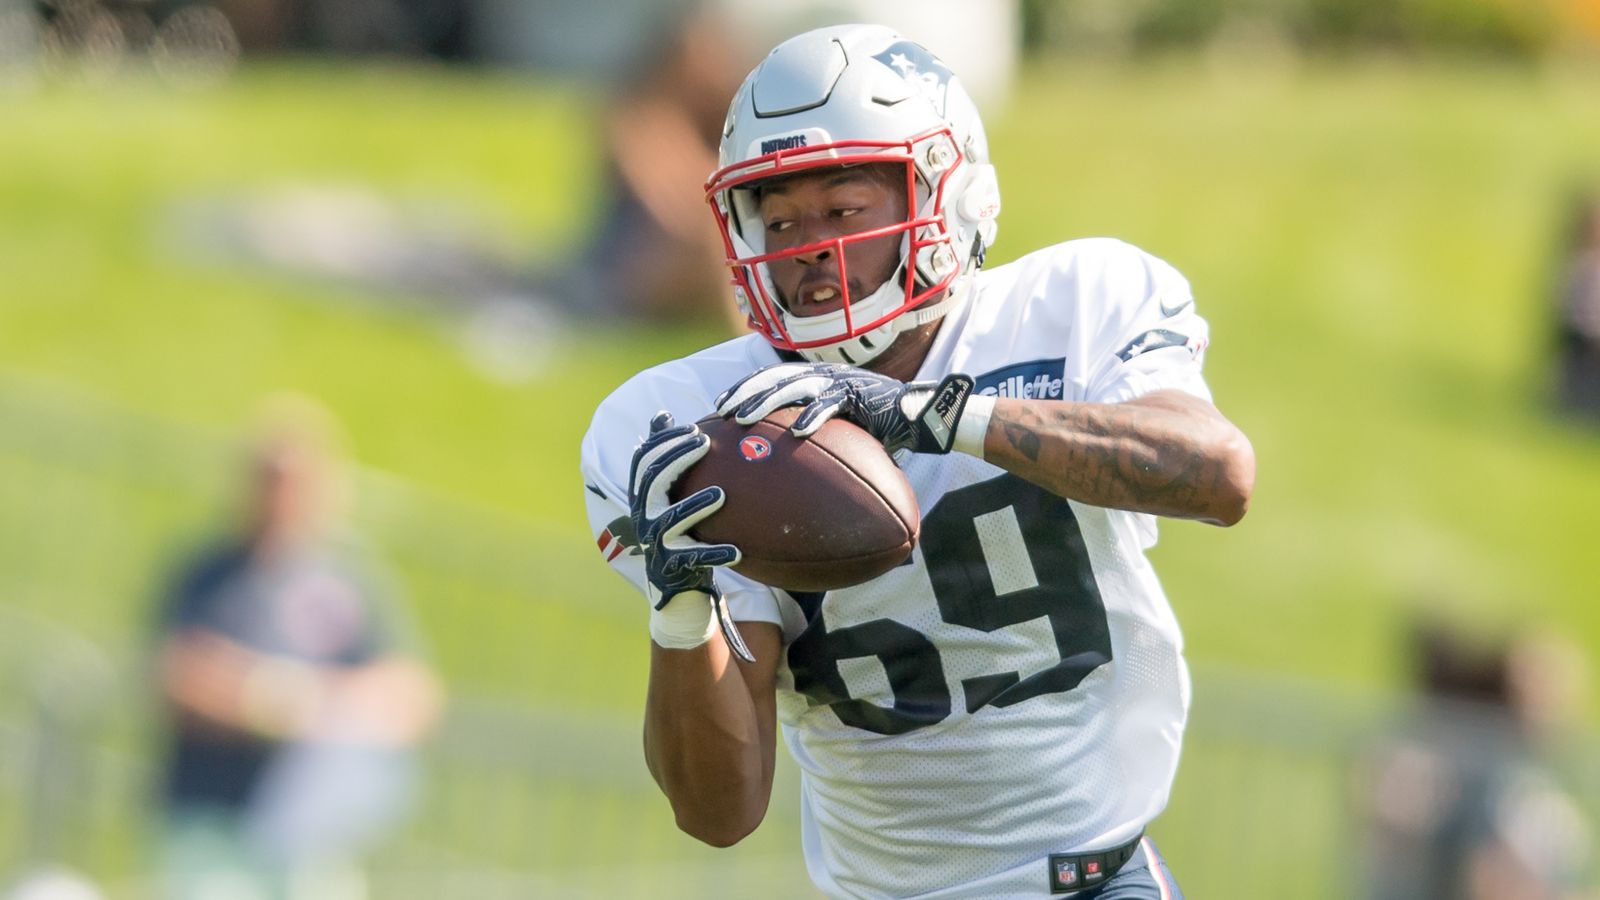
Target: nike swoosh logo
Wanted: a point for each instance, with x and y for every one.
(1170, 311)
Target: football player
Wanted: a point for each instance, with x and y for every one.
(1001, 716)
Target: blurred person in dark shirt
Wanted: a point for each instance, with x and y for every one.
(1458, 799)
(294, 693)
(655, 253)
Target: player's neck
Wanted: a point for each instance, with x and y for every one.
(904, 357)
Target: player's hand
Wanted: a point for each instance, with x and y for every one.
(920, 416)
(674, 562)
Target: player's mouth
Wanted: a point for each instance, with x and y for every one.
(816, 297)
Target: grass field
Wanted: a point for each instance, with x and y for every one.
(1371, 241)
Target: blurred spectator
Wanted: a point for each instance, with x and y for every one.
(1458, 803)
(1579, 326)
(294, 695)
(656, 253)
(435, 28)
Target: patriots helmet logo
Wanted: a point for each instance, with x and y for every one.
(921, 68)
(755, 448)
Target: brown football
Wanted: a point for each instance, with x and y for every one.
(808, 514)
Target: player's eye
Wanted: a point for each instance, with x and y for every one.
(777, 225)
(846, 212)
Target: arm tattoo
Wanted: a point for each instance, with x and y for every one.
(1147, 458)
(1022, 439)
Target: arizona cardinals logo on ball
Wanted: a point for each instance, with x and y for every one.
(755, 448)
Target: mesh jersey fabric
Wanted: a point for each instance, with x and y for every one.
(1017, 688)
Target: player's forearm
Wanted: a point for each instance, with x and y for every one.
(705, 743)
(1165, 453)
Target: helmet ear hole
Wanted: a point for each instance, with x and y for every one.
(980, 199)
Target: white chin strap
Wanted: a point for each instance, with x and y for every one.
(864, 348)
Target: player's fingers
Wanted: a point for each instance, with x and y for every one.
(725, 400)
(755, 383)
(801, 389)
(738, 400)
(673, 459)
(658, 438)
(765, 380)
(676, 520)
(671, 444)
(663, 470)
(648, 455)
(816, 414)
(691, 562)
(742, 389)
(652, 448)
(717, 555)
(696, 558)
(686, 564)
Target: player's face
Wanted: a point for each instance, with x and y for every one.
(821, 206)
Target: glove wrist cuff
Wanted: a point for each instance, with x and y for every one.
(935, 426)
(974, 425)
(686, 622)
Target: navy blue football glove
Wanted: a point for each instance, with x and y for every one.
(675, 563)
(919, 416)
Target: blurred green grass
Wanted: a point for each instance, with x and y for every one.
(1373, 246)
(1371, 241)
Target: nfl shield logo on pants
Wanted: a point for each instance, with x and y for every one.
(1066, 873)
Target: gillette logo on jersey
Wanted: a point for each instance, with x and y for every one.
(1040, 379)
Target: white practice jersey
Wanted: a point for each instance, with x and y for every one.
(1018, 687)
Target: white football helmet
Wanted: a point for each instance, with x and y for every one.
(846, 95)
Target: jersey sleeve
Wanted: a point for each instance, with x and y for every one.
(1133, 330)
(618, 427)
(1148, 336)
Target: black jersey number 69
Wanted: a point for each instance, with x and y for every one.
(1054, 580)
